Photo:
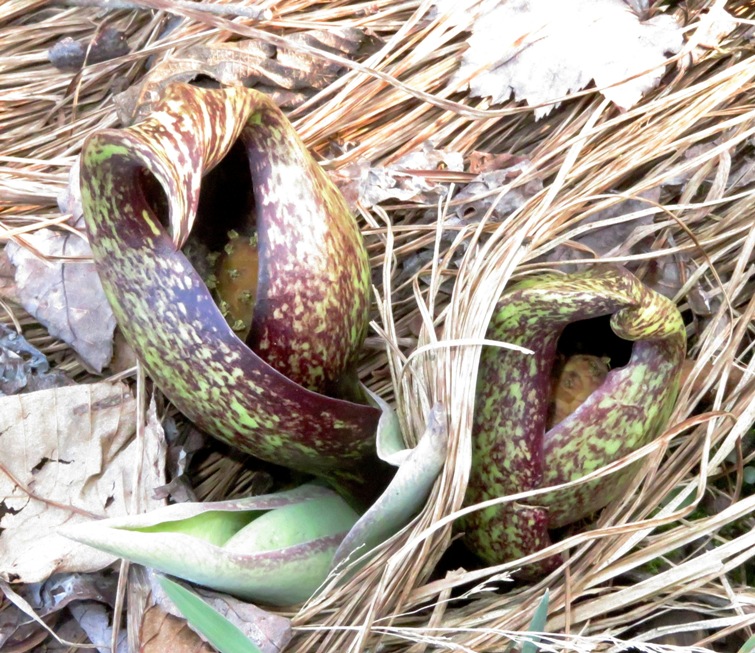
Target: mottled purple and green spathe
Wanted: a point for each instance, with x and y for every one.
(513, 452)
(312, 301)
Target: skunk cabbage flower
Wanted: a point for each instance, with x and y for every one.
(514, 448)
(243, 289)
(239, 277)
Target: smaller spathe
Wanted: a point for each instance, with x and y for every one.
(515, 448)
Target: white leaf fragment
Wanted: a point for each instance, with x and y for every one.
(541, 51)
(364, 184)
(715, 25)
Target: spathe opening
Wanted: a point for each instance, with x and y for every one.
(226, 200)
(587, 350)
(223, 243)
(595, 337)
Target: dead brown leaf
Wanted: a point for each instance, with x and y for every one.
(289, 75)
(25, 635)
(95, 619)
(72, 449)
(64, 293)
(364, 184)
(480, 196)
(47, 600)
(668, 275)
(124, 357)
(7, 279)
(715, 25)
(23, 366)
(613, 237)
(742, 175)
(162, 632)
(487, 162)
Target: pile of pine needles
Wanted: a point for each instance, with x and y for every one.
(673, 555)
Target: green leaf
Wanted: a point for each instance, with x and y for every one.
(748, 646)
(538, 624)
(408, 490)
(281, 562)
(213, 526)
(213, 626)
(308, 521)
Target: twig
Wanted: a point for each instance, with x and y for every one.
(252, 13)
(33, 495)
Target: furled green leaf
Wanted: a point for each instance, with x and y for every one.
(215, 628)
(287, 558)
(408, 490)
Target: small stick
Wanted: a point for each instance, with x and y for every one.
(253, 13)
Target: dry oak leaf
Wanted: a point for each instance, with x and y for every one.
(160, 631)
(367, 185)
(714, 26)
(8, 288)
(622, 235)
(541, 50)
(95, 619)
(73, 446)
(483, 193)
(47, 601)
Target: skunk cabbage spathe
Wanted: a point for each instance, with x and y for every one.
(287, 393)
(239, 276)
(514, 450)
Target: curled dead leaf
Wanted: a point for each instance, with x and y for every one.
(64, 293)
(289, 76)
(366, 185)
(483, 194)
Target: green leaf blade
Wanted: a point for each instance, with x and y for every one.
(537, 625)
(290, 563)
(213, 626)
